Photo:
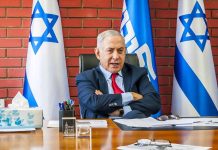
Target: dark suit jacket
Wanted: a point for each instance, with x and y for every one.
(99, 106)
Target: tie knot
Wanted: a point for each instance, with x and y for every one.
(114, 75)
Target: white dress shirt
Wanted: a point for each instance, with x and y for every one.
(126, 96)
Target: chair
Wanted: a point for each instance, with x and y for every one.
(89, 61)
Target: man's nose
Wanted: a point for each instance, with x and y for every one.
(115, 55)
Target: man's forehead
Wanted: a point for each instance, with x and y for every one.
(114, 40)
(111, 45)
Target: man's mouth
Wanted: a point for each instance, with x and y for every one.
(115, 64)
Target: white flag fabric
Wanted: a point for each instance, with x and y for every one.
(46, 82)
(195, 91)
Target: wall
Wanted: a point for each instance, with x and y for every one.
(82, 20)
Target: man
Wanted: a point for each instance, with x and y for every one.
(115, 88)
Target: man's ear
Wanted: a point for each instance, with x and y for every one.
(97, 51)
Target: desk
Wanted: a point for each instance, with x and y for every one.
(102, 138)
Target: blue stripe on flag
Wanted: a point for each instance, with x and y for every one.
(27, 93)
(139, 16)
(193, 88)
(137, 28)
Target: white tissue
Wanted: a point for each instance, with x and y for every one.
(19, 101)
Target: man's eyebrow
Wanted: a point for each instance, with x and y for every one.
(110, 48)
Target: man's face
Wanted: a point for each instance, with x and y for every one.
(112, 53)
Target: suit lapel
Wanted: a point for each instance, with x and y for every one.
(102, 81)
(127, 79)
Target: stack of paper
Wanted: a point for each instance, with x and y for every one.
(174, 147)
(96, 123)
(151, 122)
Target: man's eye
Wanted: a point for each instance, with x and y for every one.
(109, 50)
(120, 51)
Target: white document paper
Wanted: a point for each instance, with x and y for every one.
(53, 124)
(151, 122)
(212, 122)
(144, 122)
(174, 147)
(96, 123)
(17, 130)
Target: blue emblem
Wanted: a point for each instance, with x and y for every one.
(188, 33)
(48, 35)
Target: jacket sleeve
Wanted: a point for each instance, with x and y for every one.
(150, 104)
(103, 104)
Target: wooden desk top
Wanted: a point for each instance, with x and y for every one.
(102, 138)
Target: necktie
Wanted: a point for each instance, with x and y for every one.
(115, 87)
(117, 90)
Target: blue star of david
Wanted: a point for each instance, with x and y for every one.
(48, 35)
(188, 33)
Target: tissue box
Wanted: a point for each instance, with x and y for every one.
(21, 118)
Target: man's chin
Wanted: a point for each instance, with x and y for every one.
(114, 70)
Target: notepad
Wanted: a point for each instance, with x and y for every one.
(17, 130)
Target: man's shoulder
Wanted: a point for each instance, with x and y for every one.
(134, 69)
(89, 73)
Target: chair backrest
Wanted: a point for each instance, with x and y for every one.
(89, 61)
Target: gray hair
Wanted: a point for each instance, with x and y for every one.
(101, 37)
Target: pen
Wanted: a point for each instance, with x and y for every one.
(72, 102)
(67, 105)
(60, 106)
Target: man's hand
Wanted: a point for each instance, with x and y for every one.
(115, 113)
(98, 92)
(136, 96)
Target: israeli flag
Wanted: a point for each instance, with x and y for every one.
(195, 91)
(46, 83)
(137, 31)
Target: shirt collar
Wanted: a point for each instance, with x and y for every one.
(107, 74)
